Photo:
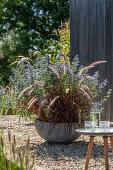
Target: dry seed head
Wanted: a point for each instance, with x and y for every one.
(43, 103)
(97, 62)
(31, 91)
(1, 87)
(20, 56)
(15, 62)
(85, 68)
(89, 77)
(9, 135)
(24, 59)
(36, 53)
(85, 94)
(52, 103)
(6, 112)
(91, 65)
(86, 88)
(14, 141)
(55, 71)
(66, 58)
(28, 144)
(27, 88)
(32, 102)
(63, 64)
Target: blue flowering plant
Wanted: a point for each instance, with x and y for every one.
(7, 100)
(62, 91)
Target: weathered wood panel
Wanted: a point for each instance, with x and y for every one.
(91, 29)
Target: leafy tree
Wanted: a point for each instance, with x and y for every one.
(30, 24)
(33, 20)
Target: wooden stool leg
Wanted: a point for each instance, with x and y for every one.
(89, 151)
(111, 140)
(106, 152)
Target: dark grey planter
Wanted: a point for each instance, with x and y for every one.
(59, 132)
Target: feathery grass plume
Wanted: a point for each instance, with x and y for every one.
(90, 66)
(9, 135)
(85, 87)
(36, 53)
(27, 153)
(15, 62)
(35, 97)
(85, 94)
(31, 91)
(32, 102)
(43, 103)
(14, 141)
(55, 71)
(1, 87)
(28, 144)
(51, 86)
(63, 64)
(85, 68)
(20, 56)
(52, 104)
(8, 88)
(24, 59)
(27, 88)
(66, 58)
(6, 112)
(87, 77)
(97, 62)
(40, 83)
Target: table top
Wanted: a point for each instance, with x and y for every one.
(95, 131)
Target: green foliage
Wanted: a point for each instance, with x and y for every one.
(53, 47)
(7, 100)
(33, 20)
(10, 47)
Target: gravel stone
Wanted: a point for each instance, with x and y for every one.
(55, 156)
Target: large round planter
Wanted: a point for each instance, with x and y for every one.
(59, 132)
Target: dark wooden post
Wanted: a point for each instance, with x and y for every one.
(91, 31)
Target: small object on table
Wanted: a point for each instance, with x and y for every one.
(92, 132)
(89, 124)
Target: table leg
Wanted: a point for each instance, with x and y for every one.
(89, 151)
(106, 152)
(111, 140)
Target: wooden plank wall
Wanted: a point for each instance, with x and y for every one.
(91, 31)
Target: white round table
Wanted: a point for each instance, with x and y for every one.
(92, 132)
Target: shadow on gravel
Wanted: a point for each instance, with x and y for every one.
(58, 151)
(3, 127)
(29, 124)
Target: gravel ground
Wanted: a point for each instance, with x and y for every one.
(55, 156)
